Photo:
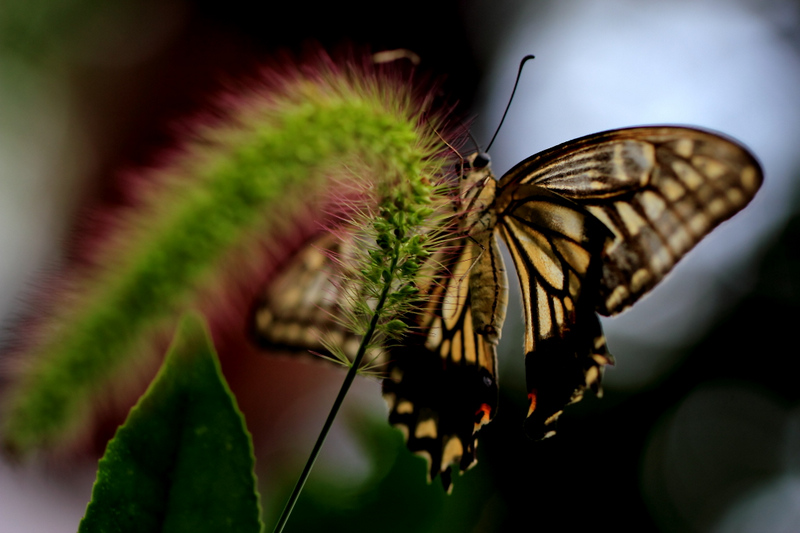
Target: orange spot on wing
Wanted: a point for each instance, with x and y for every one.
(483, 415)
(532, 398)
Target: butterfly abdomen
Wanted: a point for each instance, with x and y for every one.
(488, 287)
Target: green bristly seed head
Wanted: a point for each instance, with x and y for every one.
(397, 239)
(242, 183)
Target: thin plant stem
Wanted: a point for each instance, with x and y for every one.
(348, 380)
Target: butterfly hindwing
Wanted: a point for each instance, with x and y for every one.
(556, 247)
(442, 385)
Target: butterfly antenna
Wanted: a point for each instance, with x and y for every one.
(519, 73)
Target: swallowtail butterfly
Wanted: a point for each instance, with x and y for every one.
(592, 225)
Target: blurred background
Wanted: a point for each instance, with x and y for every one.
(699, 428)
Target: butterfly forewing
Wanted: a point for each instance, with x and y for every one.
(658, 189)
(302, 309)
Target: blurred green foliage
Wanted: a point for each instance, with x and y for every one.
(33, 30)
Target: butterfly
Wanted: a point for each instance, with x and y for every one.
(592, 225)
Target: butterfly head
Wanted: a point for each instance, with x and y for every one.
(475, 173)
(478, 160)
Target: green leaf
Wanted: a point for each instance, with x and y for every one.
(183, 460)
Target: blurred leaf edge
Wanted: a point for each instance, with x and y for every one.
(183, 460)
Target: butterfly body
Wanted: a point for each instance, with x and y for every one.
(591, 225)
(488, 283)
